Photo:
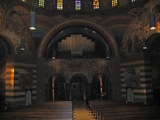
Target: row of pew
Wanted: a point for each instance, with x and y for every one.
(57, 110)
(111, 110)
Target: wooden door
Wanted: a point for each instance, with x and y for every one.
(77, 91)
(95, 91)
(59, 91)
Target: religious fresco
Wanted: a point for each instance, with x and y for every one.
(132, 40)
(67, 68)
(25, 78)
(49, 71)
(132, 77)
(15, 28)
(138, 29)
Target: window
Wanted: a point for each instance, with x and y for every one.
(95, 4)
(77, 5)
(23, 0)
(114, 3)
(59, 4)
(41, 3)
(133, 0)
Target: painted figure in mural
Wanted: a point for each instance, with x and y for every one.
(129, 45)
(131, 77)
(128, 77)
(137, 44)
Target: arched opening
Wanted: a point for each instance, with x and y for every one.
(59, 88)
(95, 90)
(55, 89)
(76, 39)
(5, 49)
(154, 53)
(78, 87)
(77, 42)
(28, 97)
(129, 96)
(86, 28)
(100, 87)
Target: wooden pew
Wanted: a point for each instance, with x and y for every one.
(106, 110)
(60, 110)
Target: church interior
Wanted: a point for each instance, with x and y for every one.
(78, 50)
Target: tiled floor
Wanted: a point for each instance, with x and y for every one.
(81, 111)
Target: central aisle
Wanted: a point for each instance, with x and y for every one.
(81, 111)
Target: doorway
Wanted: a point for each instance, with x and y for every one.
(28, 97)
(59, 89)
(77, 88)
(95, 90)
(129, 95)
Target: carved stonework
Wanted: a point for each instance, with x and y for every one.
(92, 68)
(50, 71)
(75, 65)
(68, 67)
(106, 70)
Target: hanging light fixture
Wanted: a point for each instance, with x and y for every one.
(152, 19)
(107, 53)
(144, 43)
(22, 44)
(53, 54)
(33, 19)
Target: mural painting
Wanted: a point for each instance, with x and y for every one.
(69, 67)
(132, 77)
(25, 78)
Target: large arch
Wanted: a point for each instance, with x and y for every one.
(153, 52)
(73, 23)
(8, 44)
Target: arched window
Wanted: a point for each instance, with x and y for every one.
(95, 4)
(77, 4)
(114, 3)
(41, 3)
(59, 4)
(23, 0)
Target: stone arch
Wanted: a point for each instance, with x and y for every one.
(78, 22)
(55, 80)
(151, 39)
(101, 87)
(135, 11)
(21, 31)
(7, 44)
(78, 84)
(21, 10)
(81, 76)
(153, 52)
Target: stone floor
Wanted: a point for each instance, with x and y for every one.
(81, 111)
